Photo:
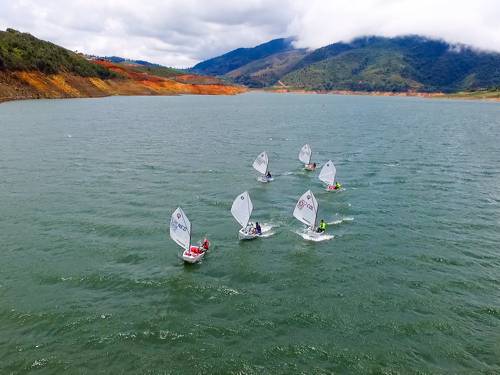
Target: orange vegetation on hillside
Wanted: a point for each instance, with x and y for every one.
(179, 84)
(34, 84)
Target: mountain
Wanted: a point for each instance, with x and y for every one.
(24, 52)
(123, 60)
(268, 70)
(141, 65)
(239, 57)
(33, 68)
(409, 63)
(401, 64)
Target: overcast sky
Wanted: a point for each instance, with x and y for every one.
(182, 32)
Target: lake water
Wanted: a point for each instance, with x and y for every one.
(91, 283)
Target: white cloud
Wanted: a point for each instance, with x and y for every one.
(180, 33)
(458, 21)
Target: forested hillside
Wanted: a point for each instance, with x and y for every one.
(32, 68)
(409, 63)
(23, 52)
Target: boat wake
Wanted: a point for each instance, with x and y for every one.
(267, 230)
(340, 221)
(315, 237)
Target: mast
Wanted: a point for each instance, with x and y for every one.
(248, 206)
(315, 216)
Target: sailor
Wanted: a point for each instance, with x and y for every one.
(337, 185)
(250, 228)
(268, 175)
(258, 229)
(322, 226)
(205, 244)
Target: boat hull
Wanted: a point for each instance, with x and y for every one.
(248, 234)
(193, 255)
(312, 235)
(333, 188)
(245, 234)
(264, 179)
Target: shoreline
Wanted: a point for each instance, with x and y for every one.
(12, 99)
(27, 85)
(476, 95)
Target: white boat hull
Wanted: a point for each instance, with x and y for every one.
(312, 235)
(247, 233)
(264, 179)
(190, 256)
(244, 234)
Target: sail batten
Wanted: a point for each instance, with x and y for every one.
(242, 209)
(306, 209)
(180, 229)
(261, 163)
(305, 154)
(327, 174)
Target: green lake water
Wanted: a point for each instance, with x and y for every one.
(90, 282)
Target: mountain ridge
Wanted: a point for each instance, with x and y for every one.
(241, 56)
(371, 63)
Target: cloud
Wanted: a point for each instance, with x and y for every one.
(181, 33)
(457, 21)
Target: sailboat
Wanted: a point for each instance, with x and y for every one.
(242, 210)
(180, 232)
(305, 156)
(306, 211)
(261, 165)
(327, 175)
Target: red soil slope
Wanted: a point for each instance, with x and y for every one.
(34, 84)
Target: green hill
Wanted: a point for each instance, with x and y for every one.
(409, 63)
(144, 66)
(268, 70)
(31, 68)
(239, 57)
(23, 52)
(357, 70)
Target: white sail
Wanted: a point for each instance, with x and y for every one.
(180, 229)
(305, 154)
(306, 209)
(260, 164)
(327, 174)
(242, 209)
